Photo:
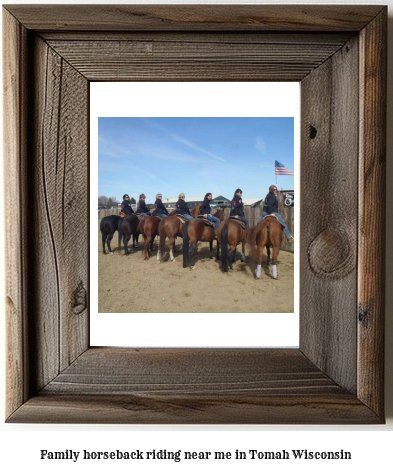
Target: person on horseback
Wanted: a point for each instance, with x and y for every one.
(271, 207)
(204, 210)
(159, 208)
(142, 208)
(126, 206)
(182, 208)
(237, 207)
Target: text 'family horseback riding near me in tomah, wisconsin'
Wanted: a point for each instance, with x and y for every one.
(177, 456)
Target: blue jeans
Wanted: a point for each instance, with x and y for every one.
(215, 220)
(145, 214)
(163, 215)
(281, 221)
(187, 216)
(245, 221)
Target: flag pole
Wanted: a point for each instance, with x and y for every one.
(275, 171)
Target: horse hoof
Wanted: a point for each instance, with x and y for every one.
(110, 253)
(192, 268)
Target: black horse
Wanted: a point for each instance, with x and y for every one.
(128, 226)
(108, 226)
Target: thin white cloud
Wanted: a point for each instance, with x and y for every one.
(111, 148)
(260, 144)
(180, 139)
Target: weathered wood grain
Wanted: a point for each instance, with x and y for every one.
(14, 113)
(329, 184)
(61, 236)
(195, 17)
(193, 386)
(211, 61)
(371, 227)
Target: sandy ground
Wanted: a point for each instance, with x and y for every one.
(129, 284)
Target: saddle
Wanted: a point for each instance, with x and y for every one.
(158, 217)
(182, 219)
(139, 216)
(269, 215)
(240, 222)
(122, 214)
(205, 221)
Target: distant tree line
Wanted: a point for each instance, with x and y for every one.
(111, 201)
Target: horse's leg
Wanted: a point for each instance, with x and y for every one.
(171, 246)
(146, 253)
(218, 250)
(192, 250)
(276, 249)
(135, 238)
(108, 241)
(211, 250)
(103, 242)
(127, 237)
(268, 254)
(259, 260)
(243, 250)
(232, 251)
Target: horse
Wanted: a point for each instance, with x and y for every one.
(172, 227)
(195, 230)
(268, 233)
(230, 233)
(108, 226)
(129, 225)
(150, 228)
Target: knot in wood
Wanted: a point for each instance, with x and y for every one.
(80, 299)
(330, 255)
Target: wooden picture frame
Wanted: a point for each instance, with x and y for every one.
(338, 54)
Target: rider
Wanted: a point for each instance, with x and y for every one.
(182, 208)
(204, 210)
(159, 208)
(271, 207)
(126, 206)
(142, 208)
(237, 207)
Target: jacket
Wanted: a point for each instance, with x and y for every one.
(205, 207)
(159, 208)
(126, 208)
(182, 208)
(142, 208)
(237, 206)
(270, 203)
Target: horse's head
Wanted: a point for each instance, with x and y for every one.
(220, 215)
(195, 210)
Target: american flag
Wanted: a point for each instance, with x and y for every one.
(280, 169)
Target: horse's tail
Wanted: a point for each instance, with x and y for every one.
(224, 248)
(186, 245)
(142, 227)
(162, 239)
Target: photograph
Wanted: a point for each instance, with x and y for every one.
(196, 214)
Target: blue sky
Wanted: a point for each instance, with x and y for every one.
(193, 155)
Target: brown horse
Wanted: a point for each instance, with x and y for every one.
(268, 233)
(195, 231)
(129, 225)
(230, 233)
(150, 229)
(172, 227)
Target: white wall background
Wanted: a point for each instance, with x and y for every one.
(20, 445)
